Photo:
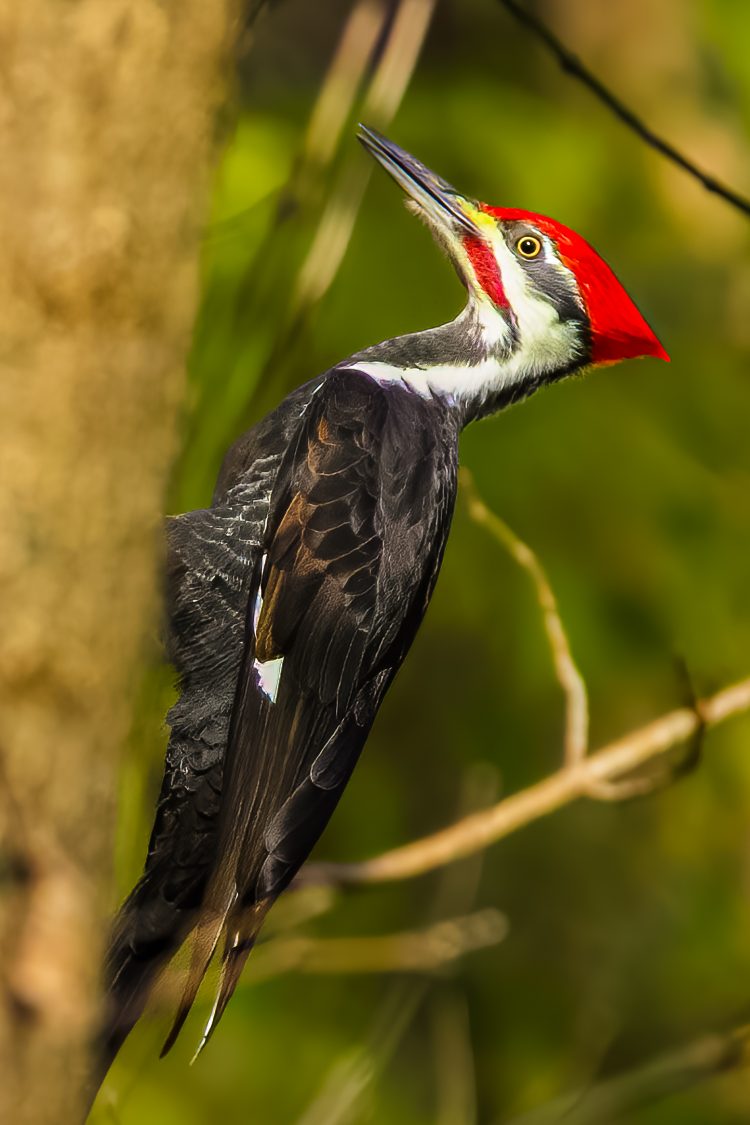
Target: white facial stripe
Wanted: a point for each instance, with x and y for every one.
(537, 343)
(545, 343)
(549, 254)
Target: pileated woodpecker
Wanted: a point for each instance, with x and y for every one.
(295, 597)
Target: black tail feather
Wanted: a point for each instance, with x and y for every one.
(146, 934)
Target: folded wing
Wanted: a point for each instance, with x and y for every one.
(353, 543)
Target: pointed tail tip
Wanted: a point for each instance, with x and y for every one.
(235, 955)
(175, 1030)
(206, 939)
(216, 1014)
(207, 1033)
(233, 963)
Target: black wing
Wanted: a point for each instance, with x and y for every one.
(208, 583)
(211, 558)
(355, 536)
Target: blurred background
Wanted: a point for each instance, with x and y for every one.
(625, 928)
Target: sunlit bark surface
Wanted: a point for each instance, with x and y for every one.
(106, 128)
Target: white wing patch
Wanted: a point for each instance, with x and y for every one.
(269, 675)
(269, 671)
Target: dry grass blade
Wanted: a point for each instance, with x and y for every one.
(346, 1085)
(383, 98)
(616, 1098)
(336, 98)
(455, 1079)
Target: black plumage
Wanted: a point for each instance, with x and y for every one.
(334, 511)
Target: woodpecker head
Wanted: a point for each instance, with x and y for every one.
(545, 303)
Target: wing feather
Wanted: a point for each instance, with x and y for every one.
(211, 559)
(354, 538)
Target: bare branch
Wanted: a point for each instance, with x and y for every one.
(574, 67)
(566, 670)
(568, 675)
(609, 764)
(425, 950)
(605, 775)
(414, 951)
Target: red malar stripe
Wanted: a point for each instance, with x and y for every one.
(486, 270)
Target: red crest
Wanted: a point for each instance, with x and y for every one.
(618, 330)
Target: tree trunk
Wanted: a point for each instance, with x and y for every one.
(106, 130)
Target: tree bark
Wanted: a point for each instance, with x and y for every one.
(106, 127)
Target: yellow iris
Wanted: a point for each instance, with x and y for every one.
(528, 246)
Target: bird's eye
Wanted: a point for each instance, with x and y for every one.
(528, 246)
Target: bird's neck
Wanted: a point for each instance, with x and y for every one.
(473, 362)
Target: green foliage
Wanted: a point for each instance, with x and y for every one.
(629, 925)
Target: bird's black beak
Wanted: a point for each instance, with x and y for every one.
(440, 202)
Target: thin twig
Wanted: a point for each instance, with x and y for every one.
(569, 784)
(566, 670)
(573, 66)
(630, 787)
